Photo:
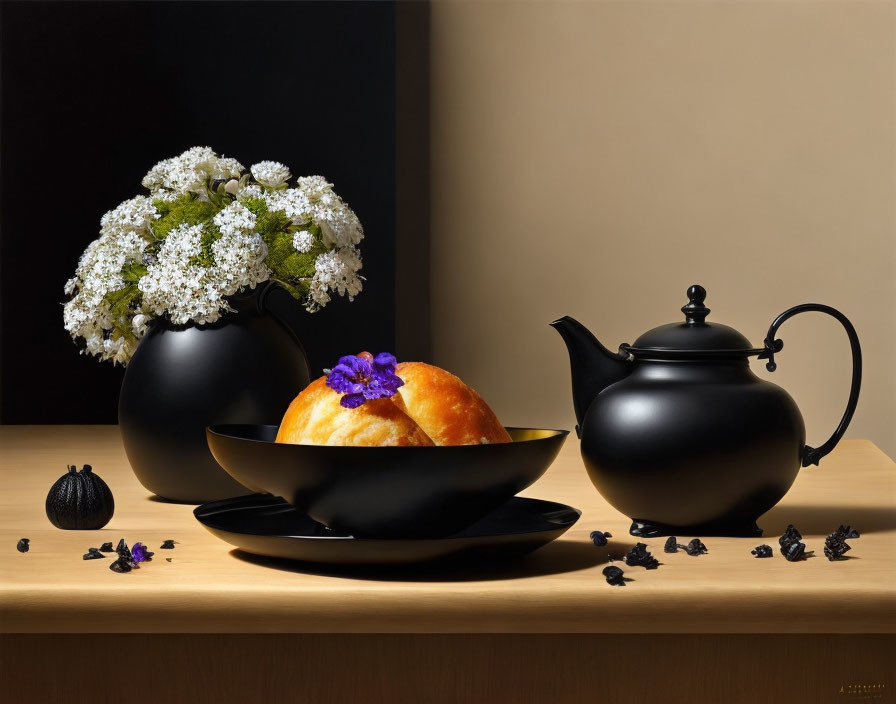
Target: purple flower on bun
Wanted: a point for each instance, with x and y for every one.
(364, 377)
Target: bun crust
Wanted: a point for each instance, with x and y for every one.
(316, 418)
(449, 411)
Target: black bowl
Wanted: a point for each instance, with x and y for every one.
(386, 491)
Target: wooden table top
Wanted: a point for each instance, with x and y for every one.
(210, 587)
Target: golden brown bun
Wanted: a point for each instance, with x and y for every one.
(448, 410)
(316, 418)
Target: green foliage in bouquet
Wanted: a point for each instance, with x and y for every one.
(291, 268)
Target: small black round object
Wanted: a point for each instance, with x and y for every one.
(696, 293)
(80, 500)
(24, 545)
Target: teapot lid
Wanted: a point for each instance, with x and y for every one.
(693, 338)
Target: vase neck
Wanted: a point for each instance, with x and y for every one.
(249, 299)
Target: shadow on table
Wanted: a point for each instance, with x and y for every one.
(162, 500)
(822, 520)
(557, 558)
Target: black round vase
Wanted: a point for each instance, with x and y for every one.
(245, 368)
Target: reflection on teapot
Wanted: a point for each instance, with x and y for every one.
(680, 435)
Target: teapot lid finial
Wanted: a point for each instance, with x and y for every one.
(695, 311)
(692, 338)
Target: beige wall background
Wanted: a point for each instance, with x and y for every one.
(596, 158)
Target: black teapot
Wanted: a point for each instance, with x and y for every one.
(680, 435)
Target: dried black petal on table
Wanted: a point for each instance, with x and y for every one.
(93, 554)
(762, 551)
(121, 565)
(795, 552)
(844, 533)
(790, 536)
(835, 545)
(167, 559)
(24, 545)
(836, 551)
(614, 576)
(671, 544)
(107, 547)
(167, 545)
(599, 538)
(695, 547)
(640, 556)
(124, 551)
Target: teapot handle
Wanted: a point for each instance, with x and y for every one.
(811, 455)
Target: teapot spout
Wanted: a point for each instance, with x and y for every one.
(593, 366)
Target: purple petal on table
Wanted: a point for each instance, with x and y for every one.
(139, 553)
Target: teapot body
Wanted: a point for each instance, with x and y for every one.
(680, 435)
(692, 447)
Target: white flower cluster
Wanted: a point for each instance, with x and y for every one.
(336, 270)
(235, 219)
(270, 173)
(124, 235)
(303, 241)
(313, 198)
(251, 190)
(134, 215)
(132, 273)
(189, 173)
(189, 292)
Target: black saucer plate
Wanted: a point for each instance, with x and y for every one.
(267, 525)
